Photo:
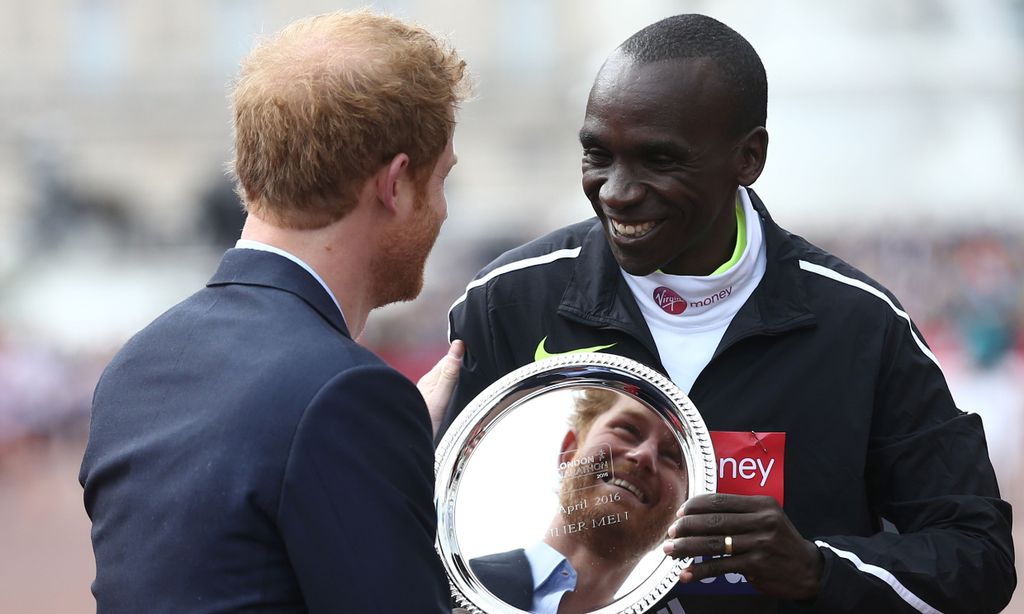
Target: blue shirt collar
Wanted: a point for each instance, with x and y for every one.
(553, 575)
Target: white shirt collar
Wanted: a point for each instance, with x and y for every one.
(263, 247)
(701, 302)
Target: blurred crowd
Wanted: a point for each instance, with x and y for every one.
(964, 290)
(113, 206)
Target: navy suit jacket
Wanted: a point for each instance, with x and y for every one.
(245, 454)
(507, 576)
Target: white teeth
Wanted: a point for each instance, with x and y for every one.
(632, 230)
(633, 489)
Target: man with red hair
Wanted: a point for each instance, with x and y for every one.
(245, 453)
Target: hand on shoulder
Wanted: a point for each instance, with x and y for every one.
(437, 384)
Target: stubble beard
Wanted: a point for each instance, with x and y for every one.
(628, 540)
(400, 261)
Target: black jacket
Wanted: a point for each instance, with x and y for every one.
(821, 352)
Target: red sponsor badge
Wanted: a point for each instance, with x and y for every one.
(669, 301)
(751, 463)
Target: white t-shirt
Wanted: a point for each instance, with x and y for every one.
(688, 315)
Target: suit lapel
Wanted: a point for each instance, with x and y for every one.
(507, 576)
(257, 268)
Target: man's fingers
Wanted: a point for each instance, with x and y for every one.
(717, 524)
(446, 372)
(453, 360)
(713, 567)
(705, 545)
(757, 539)
(720, 502)
(438, 383)
(720, 554)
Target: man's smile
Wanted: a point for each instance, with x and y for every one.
(631, 231)
(633, 489)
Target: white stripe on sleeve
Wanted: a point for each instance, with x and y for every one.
(508, 268)
(913, 600)
(856, 283)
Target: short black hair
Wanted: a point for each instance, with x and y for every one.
(699, 36)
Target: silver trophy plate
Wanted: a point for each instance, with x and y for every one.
(571, 466)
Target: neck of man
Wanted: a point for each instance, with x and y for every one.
(338, 252)
(713, 251)
(598, 577)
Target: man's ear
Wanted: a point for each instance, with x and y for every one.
(751, 153)
(390, 181)
(568, 445)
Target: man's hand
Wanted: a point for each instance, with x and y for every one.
(437, 385)
(765, 547)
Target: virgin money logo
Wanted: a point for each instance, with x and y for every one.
(669, 301)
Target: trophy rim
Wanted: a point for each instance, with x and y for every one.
(476, 421)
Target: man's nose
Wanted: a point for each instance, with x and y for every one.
(620, 189)
(644, 455)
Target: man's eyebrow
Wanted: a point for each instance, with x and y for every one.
(666, 148)
(640, 414)
(651, 148)
(669, 440)
(668, 437)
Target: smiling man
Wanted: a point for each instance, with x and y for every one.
(245, 452)
(623, 478)
(638, 469)
(774, 339)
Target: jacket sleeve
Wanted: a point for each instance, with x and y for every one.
(356, 506)
(928, 473)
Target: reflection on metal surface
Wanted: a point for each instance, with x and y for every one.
(579, 461)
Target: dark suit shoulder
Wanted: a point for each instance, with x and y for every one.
(507, 576)
(359, 478)
(196, 424)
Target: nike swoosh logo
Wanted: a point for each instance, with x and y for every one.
(541, 353)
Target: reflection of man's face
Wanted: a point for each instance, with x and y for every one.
(648, 477)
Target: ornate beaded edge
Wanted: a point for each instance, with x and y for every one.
(460, 433)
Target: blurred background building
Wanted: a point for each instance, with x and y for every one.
(897, 131)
